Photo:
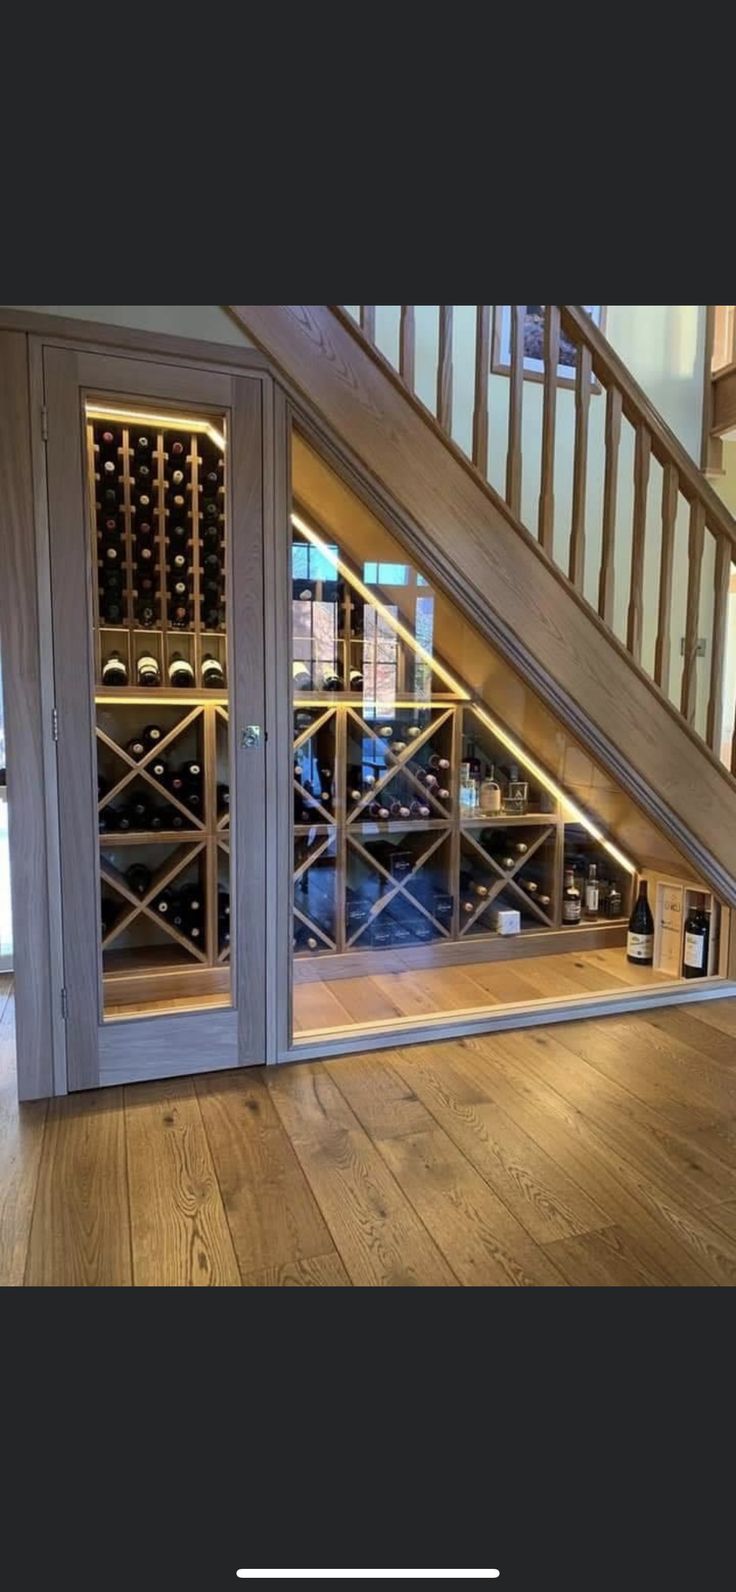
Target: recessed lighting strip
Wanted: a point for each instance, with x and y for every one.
(172, 422)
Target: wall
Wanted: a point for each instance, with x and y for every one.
(663, 345)
(210, 322)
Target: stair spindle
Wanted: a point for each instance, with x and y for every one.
(546, 521)
(368, 321)
(444, 369)
(516, 382)
(696, 543)
(610, 489)
(642, 457)
(482, 369)
(406, 346)
(583, 378)
(722, 586)
(670, 489)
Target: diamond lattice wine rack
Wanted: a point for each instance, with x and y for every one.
(419, 823)
(157, 496)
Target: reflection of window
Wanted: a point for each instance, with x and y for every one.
(380, 660)
(308, 563)
(387, 574)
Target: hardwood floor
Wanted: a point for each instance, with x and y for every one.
(345, 1002)
(594, 1153)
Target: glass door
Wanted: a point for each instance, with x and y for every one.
(155, 553)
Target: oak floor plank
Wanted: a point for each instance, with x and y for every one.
(316, 1007)
(383, 1102)
(659, 1070)
(686, 1023)
(272, 1215)
(409, 998)
(375, 1229)
(21, 1140)
(469, 1223)
(540, 1111)
(606, 1258)
(80, 1232)
(547, 1203)
(506, 983)
(180, 1236)
(319, 1271)
(719, 1014)
(709, 1250)
(639, 1132)
(365, 1000)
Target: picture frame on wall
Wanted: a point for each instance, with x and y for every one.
(534, 344)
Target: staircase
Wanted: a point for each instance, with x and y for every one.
(547, 600)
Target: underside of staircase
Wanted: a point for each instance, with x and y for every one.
(502, 578)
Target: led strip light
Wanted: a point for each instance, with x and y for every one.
(178, 422)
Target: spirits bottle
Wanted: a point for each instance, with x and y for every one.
(640, 938)
(592, 892)
(490, 794)
(696, 938)
(571, 905)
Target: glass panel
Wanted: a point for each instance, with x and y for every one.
(437, 802)
(157, 498)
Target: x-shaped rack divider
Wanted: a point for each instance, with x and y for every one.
(222, 713)
(141, 904)
(398, 886)
(398, 761)
(299, 741)
(507, 879)
(141, 768)
(315, 928)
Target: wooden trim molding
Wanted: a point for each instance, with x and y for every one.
(25, 724)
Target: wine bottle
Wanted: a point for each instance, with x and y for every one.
(301, 676)
(223, 799)
(356, 679)
(181, 672)
(211, 536)
(571, 904)
(138, 878)
(159, 769)
(148, 670)
(157, 819)
(139, 813)
(213, 568)
(164, 903)
(114, 670)
(136, 748)
(145, 613)
(213, 676)
(210, 480)
(111, 610)
(191, 771)
(418, 809)
(178, 534)
(592, 892)
(223, 903)
(109, 467)
(176, 449)
(112, 554)
(378, 811)
(107, 439)
(211, 618)
(695, 943)
(176, 477)
(110, 497)
(210, 509)
(180, 590)
(331, 680)
(640, 938)
(179, 615)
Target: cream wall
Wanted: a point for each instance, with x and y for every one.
(210, 322)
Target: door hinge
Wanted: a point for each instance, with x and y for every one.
(44, 423)
(64, 1005)
(54, 724)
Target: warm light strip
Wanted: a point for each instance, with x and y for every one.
(554, 790)
(109, 412)
(502, 735)
(374, 602)
(163, 702)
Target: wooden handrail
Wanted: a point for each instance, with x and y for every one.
(712, 532)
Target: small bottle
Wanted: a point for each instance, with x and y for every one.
(592, 892)
(571, 904)
(614, 902)
(640, 938)
(695, 943)
(114, 670)
(490, 794)
(181, 672)
(147, 670)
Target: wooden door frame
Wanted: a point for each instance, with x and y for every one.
(25, 620)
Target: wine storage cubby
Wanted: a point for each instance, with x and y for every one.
(418, 822)
(157, 492)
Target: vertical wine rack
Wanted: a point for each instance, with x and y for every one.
(158, 524)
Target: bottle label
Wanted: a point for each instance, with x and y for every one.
(640, 947)
(591, 897)
(571, 911)
(694, 950)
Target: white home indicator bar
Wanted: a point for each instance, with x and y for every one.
(368, 1575)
